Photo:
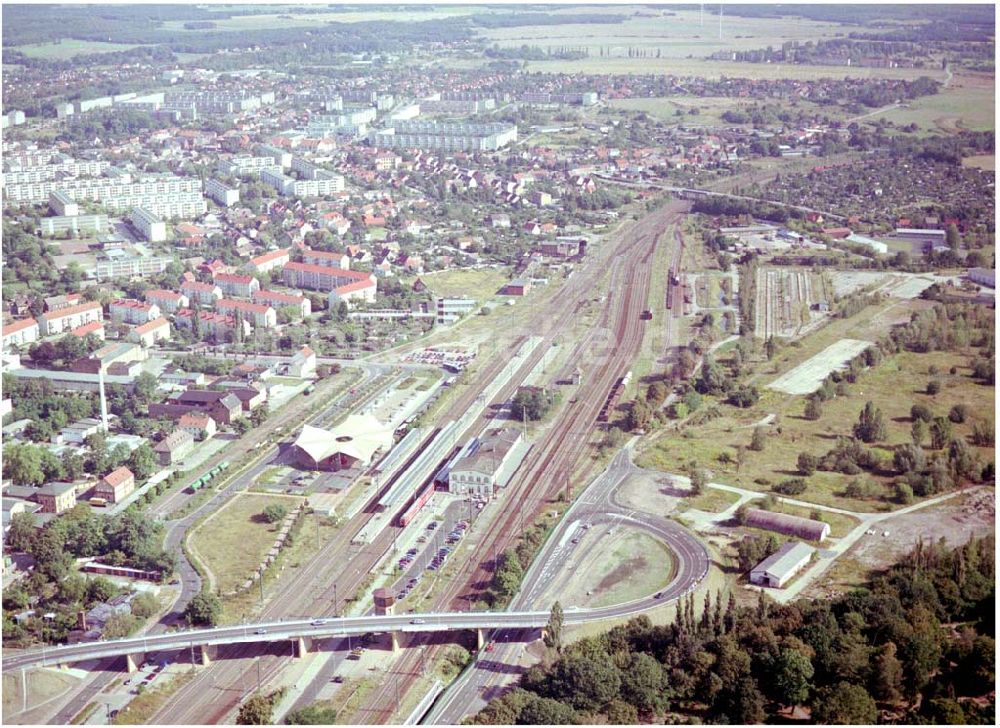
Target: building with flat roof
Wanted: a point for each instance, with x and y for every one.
(444, 137)
(62, 204)
(222, 193)
(782, 565)
(73, 224)
(148, 225)
(131, 266)
(450, 310)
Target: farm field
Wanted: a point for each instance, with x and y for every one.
(69, 47)
(981, 161)
(305, 20)
(675, 34)
(234, 541)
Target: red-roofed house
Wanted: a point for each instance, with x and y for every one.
(168, 301)
(199, 424)
(233, 284)
(363, 290)
(69, 318)
(149, 333)
(268, 261)
(131, 311)
(94, 327)
(279, 300)
(203, 293)
(327, 260)
(21, 332)
(259, 314)
(116, 485)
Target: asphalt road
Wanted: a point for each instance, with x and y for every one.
(596, 505)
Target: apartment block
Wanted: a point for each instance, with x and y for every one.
(233, 284)
(148, 225)
(71, 317)
(444, 137)
(269, 261)
(321, 278)
(74, 224)
(205, 294)
(20, 333)
(133, 266)
(222, 193)
(279, 300)
(328, 260)
(258, 314)
(168, 301)
(131, 311)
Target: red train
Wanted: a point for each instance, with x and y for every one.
(419, 502)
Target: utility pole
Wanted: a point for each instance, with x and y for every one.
(720, 21)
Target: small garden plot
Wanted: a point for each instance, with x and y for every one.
(809, 375)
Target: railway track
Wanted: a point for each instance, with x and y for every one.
(549, 467)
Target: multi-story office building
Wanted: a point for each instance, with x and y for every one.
(149, 225)
(74, 224)
(222, 193)
(445, 137)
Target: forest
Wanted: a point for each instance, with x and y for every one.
(915, 645)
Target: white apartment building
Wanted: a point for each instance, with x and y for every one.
(131, 267)
(222, 193)
(168, 301)
(62, 204)
(75, 224)
(131, 311)
(445, 137)
(328, 260)
(201, 293)
(71, 317)
(149, 225)
(278, 156)
(258, 314)
(47, 172)
(244, 164)
(302, 188)
(111, 192)
(20, 333)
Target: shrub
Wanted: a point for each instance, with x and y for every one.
(807, 463)
(921, 412)
(791, 486)
(933, 387)
(758, 440)
(959, 413)
(274, 513)
(814, 409)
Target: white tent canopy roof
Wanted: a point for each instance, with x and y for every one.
(359, 437)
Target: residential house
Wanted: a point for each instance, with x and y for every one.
(303, 364)
(204, 294)
(20, 333)
(232, 284)
(56, 497)
(149, 333)
(199, 424)
(116, 485)
(174, 447)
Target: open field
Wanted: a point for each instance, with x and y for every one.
(144, 706)
(711, 108)
(672, 34)
(306, 20)
(69, 47)
(711, 500)
(481, 284)
(956, 107)
(233, 543)
(809, 375)
(896, 384)
(981, 161)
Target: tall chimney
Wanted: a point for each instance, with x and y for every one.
(104, 399)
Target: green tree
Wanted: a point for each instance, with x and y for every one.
(887, 674)
(546, 711)
(312, 715)
(643, 684)
(586, 683)
(953, 239)
(554, 629)
(918, 432)
(23, 464)
(508, 575)
(274, 513)
(619, 712)
(758, 440)
(790, 678)
(871, 424)
(814, 409)
(933, 387)
(941, 432)
(255, 711)
(22, 532)
(204, 610)
(844, 704)
(142, 461)
(807, 463)
(698, 477)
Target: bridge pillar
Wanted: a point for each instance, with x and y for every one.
(302, 646)
(394, 640)
(480, 638)
(206, 655)
(131, 662)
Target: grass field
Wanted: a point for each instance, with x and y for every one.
(896, 384)
(68, 48)
(624, 566)
(43, 685)
(233, 543)
(142, 707)
(306, 20)
(957, 107)
(481, 284)
(711, 500)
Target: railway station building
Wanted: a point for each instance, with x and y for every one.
(353, 442)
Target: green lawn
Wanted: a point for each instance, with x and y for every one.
(953, 108)
(711, 500)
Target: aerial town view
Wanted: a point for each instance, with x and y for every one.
(507, 364)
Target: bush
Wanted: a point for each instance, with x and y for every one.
(758, 440)
(933, 387)
(807, 463)
(274, 513)
(814, 409)
(959, 413)
(145, 605)
(921, 412)
(791, 486)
